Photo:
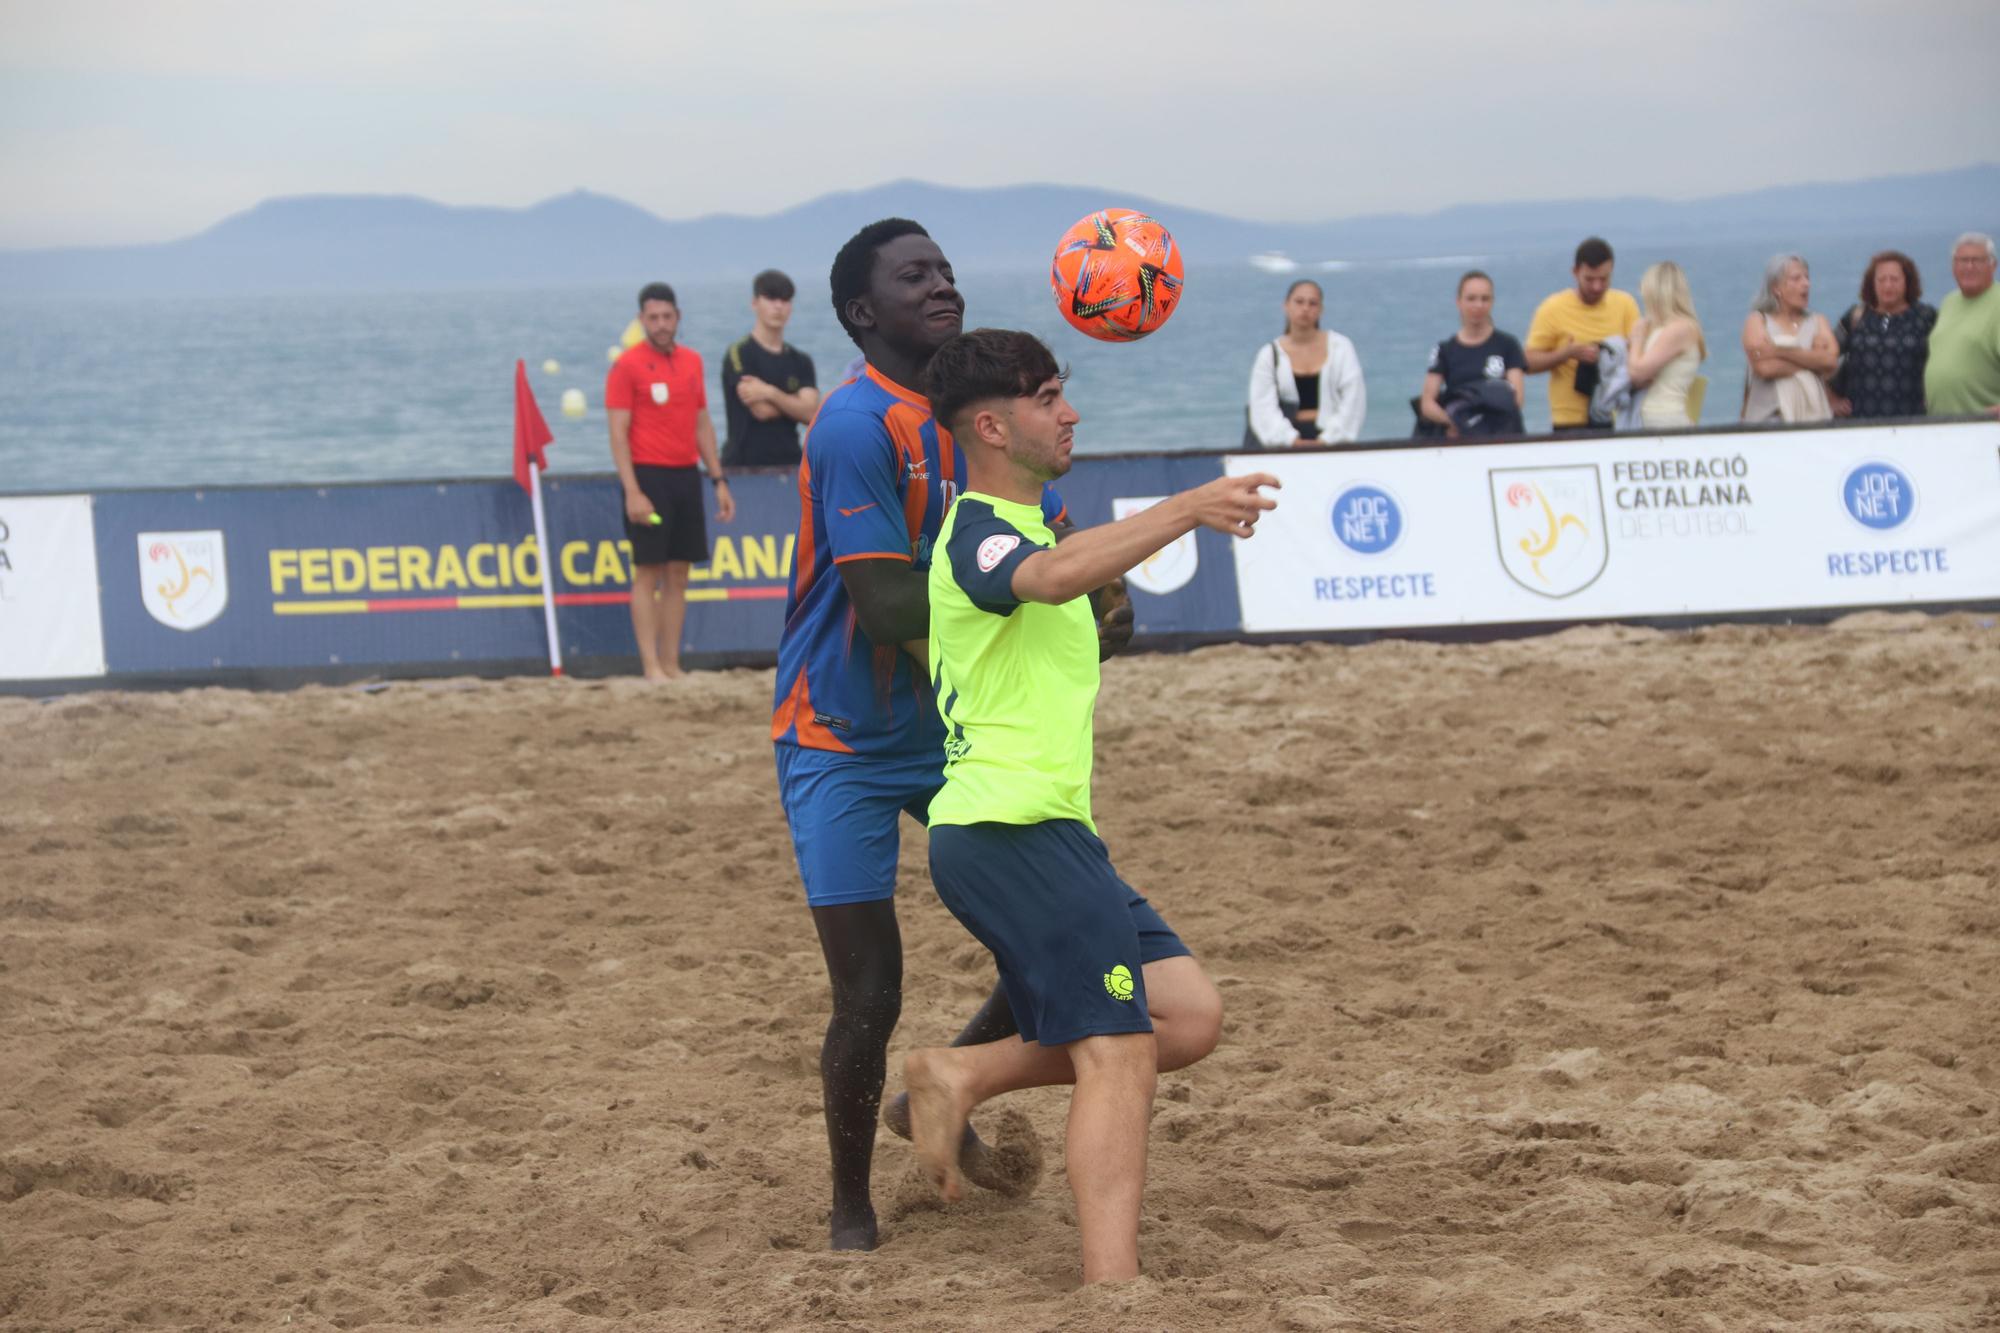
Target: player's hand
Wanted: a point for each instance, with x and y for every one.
(751, 391)
(1113, 609)
(725, 503)
(1232, 504)
(1584, 352)
(638, 509)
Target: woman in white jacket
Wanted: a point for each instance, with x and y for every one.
(1305, 387)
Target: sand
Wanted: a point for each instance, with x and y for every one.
(1613, 980)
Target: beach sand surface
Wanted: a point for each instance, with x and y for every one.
(1611, 980)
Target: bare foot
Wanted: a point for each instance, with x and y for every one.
(938, 1110)
(661, 676)
(1009, 1166)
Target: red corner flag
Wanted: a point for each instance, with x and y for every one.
(531, 433)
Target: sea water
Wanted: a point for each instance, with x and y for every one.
(99, 393)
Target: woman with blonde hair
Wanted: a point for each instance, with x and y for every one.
(1667, 347)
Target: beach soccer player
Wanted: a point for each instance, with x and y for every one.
(1104, 994)
(855, 730)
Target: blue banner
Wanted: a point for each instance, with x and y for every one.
(435, 573)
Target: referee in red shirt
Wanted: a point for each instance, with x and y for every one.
(656, 400)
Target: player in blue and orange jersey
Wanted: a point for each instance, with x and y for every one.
(856, 732)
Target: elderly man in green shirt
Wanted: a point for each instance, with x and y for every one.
(1105, 993)
(1962, 375)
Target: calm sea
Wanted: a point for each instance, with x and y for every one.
(98, 392)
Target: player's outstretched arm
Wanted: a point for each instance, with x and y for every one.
(1095, 556)
(1111, 604)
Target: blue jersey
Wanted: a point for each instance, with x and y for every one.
(877, 477)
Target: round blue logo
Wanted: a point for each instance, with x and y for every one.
(1367, 519)
(1878, 496)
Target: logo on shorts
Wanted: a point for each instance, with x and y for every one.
(1549, 522)
(183, 578)
(1168, 569)
(994, 549)
(1118, 982)
(660, 394)
(1878, 496)
(1367, 520)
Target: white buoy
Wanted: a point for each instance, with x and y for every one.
(572, 402)
(552, 367)
(611, 354)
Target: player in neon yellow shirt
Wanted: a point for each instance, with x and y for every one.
(1105, 993)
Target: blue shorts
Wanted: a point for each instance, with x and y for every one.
(842, 809)
(1071, 938)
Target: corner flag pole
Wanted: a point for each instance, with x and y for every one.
(542, 550)
(531, 438)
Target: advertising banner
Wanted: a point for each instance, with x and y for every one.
(422, 573)
(49, 628)
(1625, 526)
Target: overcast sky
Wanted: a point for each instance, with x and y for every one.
(144, 120)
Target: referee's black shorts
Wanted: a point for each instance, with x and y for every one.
(682, 533)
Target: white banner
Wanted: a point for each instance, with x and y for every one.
(49, 623)
(1624, 526)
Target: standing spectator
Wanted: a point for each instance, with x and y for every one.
(1884, 342)
(657, 407)
(1305, 386)
(1667, 347)
(1478, 375)
(1567, 328)
(768, 387)
(1963, 374)
(1790, 349)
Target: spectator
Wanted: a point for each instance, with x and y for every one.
(1305, 387)
(1963, 374)
(767, 384)
(1667, 347)
(1790, 349)
(1476, 380)
(1567, 328)
(656, 403)
(1884, 342)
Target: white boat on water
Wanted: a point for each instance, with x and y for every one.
(1274, 261)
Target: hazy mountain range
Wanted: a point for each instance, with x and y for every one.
(317, 242)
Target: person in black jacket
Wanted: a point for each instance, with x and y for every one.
(1475, 383)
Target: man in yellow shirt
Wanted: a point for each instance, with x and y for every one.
(1569, 325)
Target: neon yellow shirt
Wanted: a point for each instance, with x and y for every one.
(1016, 681)
(1565, 315)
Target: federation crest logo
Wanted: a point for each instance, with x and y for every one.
(1549, 522)
(659, 393)
(994, 549)
(183, 577)
(1168, 569)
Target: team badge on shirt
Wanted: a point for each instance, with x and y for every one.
(660, 393)
(994, 549)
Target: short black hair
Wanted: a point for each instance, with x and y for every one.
(986, 364)
(657, 291)
(772, 284)
(1595, 250)
(855, 263)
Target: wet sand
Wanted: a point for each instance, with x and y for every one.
(1614, 980)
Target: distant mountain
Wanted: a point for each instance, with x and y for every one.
(322, 242)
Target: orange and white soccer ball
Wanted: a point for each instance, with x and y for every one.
(1116, 275)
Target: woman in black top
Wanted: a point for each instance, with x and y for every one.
(1885, 341)
(1463, 365)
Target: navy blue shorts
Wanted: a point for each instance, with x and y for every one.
(843, 811)
(1071, 938)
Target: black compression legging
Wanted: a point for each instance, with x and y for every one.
(864, 960)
